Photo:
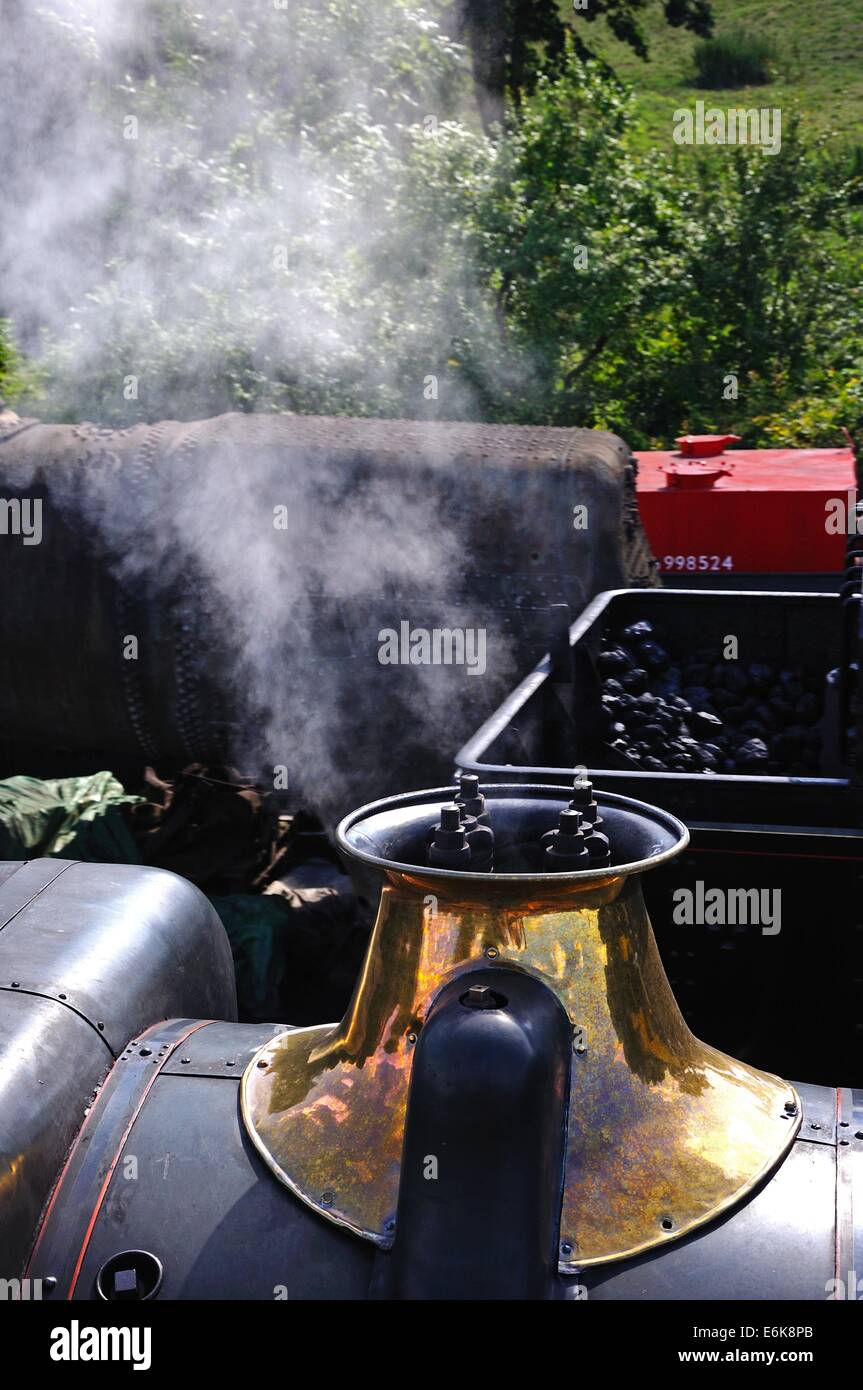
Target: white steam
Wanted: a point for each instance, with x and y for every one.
(196, 205)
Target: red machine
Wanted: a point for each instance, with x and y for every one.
(726, 515)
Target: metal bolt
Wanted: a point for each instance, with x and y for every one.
(791, 1107)
(412, 1037)
(327, 1198)
(565, 1247)
(491, 952)
(262, 1064)
(479, 997)
(49, 1284)
(125, 1284)
(229, 1062)
(184, 1061)
(146, 1052)
(813, 1124)
(15, 984)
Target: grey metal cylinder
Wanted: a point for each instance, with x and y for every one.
(220, 588)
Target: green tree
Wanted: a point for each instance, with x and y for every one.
(512, 41)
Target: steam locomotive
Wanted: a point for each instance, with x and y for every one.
(512, 1106)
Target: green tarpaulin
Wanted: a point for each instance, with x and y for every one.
(69, 817)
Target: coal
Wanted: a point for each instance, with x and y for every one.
(696, 695)
(807, 709)
(752, 752)
(654, 657)
(702, 722)
(752, 729)
(760, 676)
(694, 713)
(612, 662)
(718, 700)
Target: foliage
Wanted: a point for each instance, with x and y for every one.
(739, 58)
(512, 42)
(694, 276)
(547, 273)
(16, 376)
(625, 18)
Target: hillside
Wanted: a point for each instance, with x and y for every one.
(819, 66)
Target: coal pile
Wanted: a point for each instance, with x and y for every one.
(697, 713)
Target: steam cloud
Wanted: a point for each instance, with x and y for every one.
(216, 238)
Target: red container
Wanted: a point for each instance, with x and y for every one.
(708, 509)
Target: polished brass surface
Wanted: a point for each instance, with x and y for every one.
(664, 1132)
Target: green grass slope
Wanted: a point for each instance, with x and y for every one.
(818, 66)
